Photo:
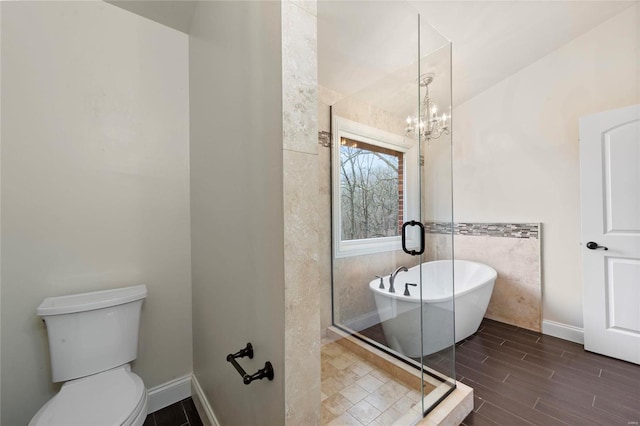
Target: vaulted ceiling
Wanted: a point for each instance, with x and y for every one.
(362, 45)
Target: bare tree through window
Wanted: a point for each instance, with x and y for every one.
(371, 191)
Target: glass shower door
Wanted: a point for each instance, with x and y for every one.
(388, 187)
(437, 263)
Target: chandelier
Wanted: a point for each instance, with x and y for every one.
(429, 125)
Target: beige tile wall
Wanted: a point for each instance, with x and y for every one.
(352, 274)
(300, 187)
(351, 277)
(517, 295)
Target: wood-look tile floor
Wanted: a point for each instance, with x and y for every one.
(355, 392)
(181, 413)
(520, 377)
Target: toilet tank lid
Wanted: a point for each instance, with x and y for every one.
(90, 301)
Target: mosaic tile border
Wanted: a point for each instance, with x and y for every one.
(505, 230)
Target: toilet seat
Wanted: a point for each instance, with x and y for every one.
(112, 398)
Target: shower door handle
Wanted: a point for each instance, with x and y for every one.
(404, 237)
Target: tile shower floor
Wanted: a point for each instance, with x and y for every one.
(354, 392)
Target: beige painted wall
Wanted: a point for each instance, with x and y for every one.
(237, 206)
(0, 212)
(516, 147)
(95, 190)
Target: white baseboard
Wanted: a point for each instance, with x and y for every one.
(563, 331)
(201, 402)
(169, 393)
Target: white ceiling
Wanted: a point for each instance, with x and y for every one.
(176, 14)
(369, 48)
(359, 43)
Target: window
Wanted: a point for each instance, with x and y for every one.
(371, 188)
(373, 170)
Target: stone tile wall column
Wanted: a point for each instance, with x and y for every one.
(300, 184)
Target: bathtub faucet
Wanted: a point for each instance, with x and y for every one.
(392, 277)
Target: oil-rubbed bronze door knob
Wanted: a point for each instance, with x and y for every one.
(594, 246)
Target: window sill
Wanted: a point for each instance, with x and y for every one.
(352, 248)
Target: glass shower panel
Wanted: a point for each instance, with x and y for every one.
(384, 194)
(438, 272)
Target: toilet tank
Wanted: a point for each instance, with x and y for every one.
(92, 332)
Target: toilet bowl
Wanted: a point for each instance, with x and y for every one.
(114, 397)
(92, 339)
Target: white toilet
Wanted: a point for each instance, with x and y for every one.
(92, 339)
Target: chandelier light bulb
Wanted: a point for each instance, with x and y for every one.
(428, 124)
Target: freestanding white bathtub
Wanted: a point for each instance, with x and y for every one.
(400, 315)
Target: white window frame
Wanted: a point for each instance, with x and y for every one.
(344, 128)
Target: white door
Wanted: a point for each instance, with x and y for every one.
(610, 206)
